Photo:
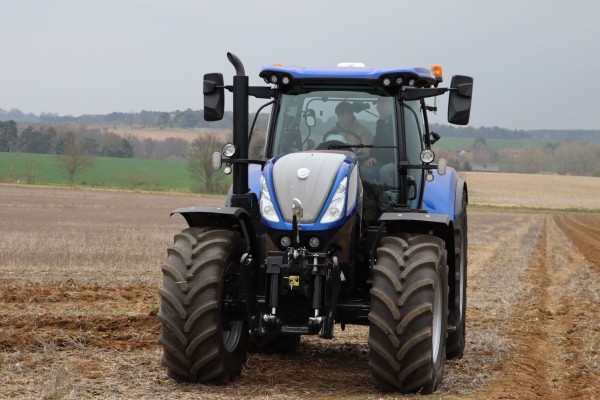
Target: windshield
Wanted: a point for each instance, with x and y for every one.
(307, 120)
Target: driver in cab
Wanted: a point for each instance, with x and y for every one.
(350, 130)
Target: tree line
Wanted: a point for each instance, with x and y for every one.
(185, 119)
(542, 135)
(565, 158)
(102, 142)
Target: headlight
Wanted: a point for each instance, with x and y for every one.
(229, 150)
(267, 210)
(336, 207)
(427, 156)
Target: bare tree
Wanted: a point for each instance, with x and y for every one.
(200, 164)
(74, 157)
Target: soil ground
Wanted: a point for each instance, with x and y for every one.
(80, 270)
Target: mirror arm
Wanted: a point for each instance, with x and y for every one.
(262, 92)
(417, 94)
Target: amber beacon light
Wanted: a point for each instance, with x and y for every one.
(437, 72)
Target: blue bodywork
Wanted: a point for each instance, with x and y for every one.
(254, 173)
(358, 73)
(440, 194)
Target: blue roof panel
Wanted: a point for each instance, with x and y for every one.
(347, 72)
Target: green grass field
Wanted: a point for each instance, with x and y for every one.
(107, 172)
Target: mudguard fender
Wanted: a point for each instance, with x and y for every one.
(439, 225)
(225, 217)
(411, 222)
(461, 192)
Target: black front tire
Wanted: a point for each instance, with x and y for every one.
(409, 314)
(201, 342)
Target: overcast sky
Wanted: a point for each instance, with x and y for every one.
(536, 63)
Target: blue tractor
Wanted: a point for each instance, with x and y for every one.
(347, 219)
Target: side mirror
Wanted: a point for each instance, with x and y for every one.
(214, 97)
(459, 104)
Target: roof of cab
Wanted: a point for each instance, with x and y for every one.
(354, 72)
(308, 75)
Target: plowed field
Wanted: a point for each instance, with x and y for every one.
(80, 271)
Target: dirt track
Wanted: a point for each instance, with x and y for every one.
(78, 299)
(554, 346)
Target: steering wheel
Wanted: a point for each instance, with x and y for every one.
(336, 132)
(343, 131)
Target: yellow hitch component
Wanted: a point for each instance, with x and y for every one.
(294, 280)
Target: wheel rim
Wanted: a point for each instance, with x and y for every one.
(231, 337)
(436, 334)
(231, 329)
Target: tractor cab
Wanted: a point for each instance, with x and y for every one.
(377, 114)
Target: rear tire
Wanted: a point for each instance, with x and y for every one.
(201, 342)
(457, 316)
(409, 314)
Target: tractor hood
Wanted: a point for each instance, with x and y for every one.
(323, 181)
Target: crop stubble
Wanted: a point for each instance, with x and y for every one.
(79, 273)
